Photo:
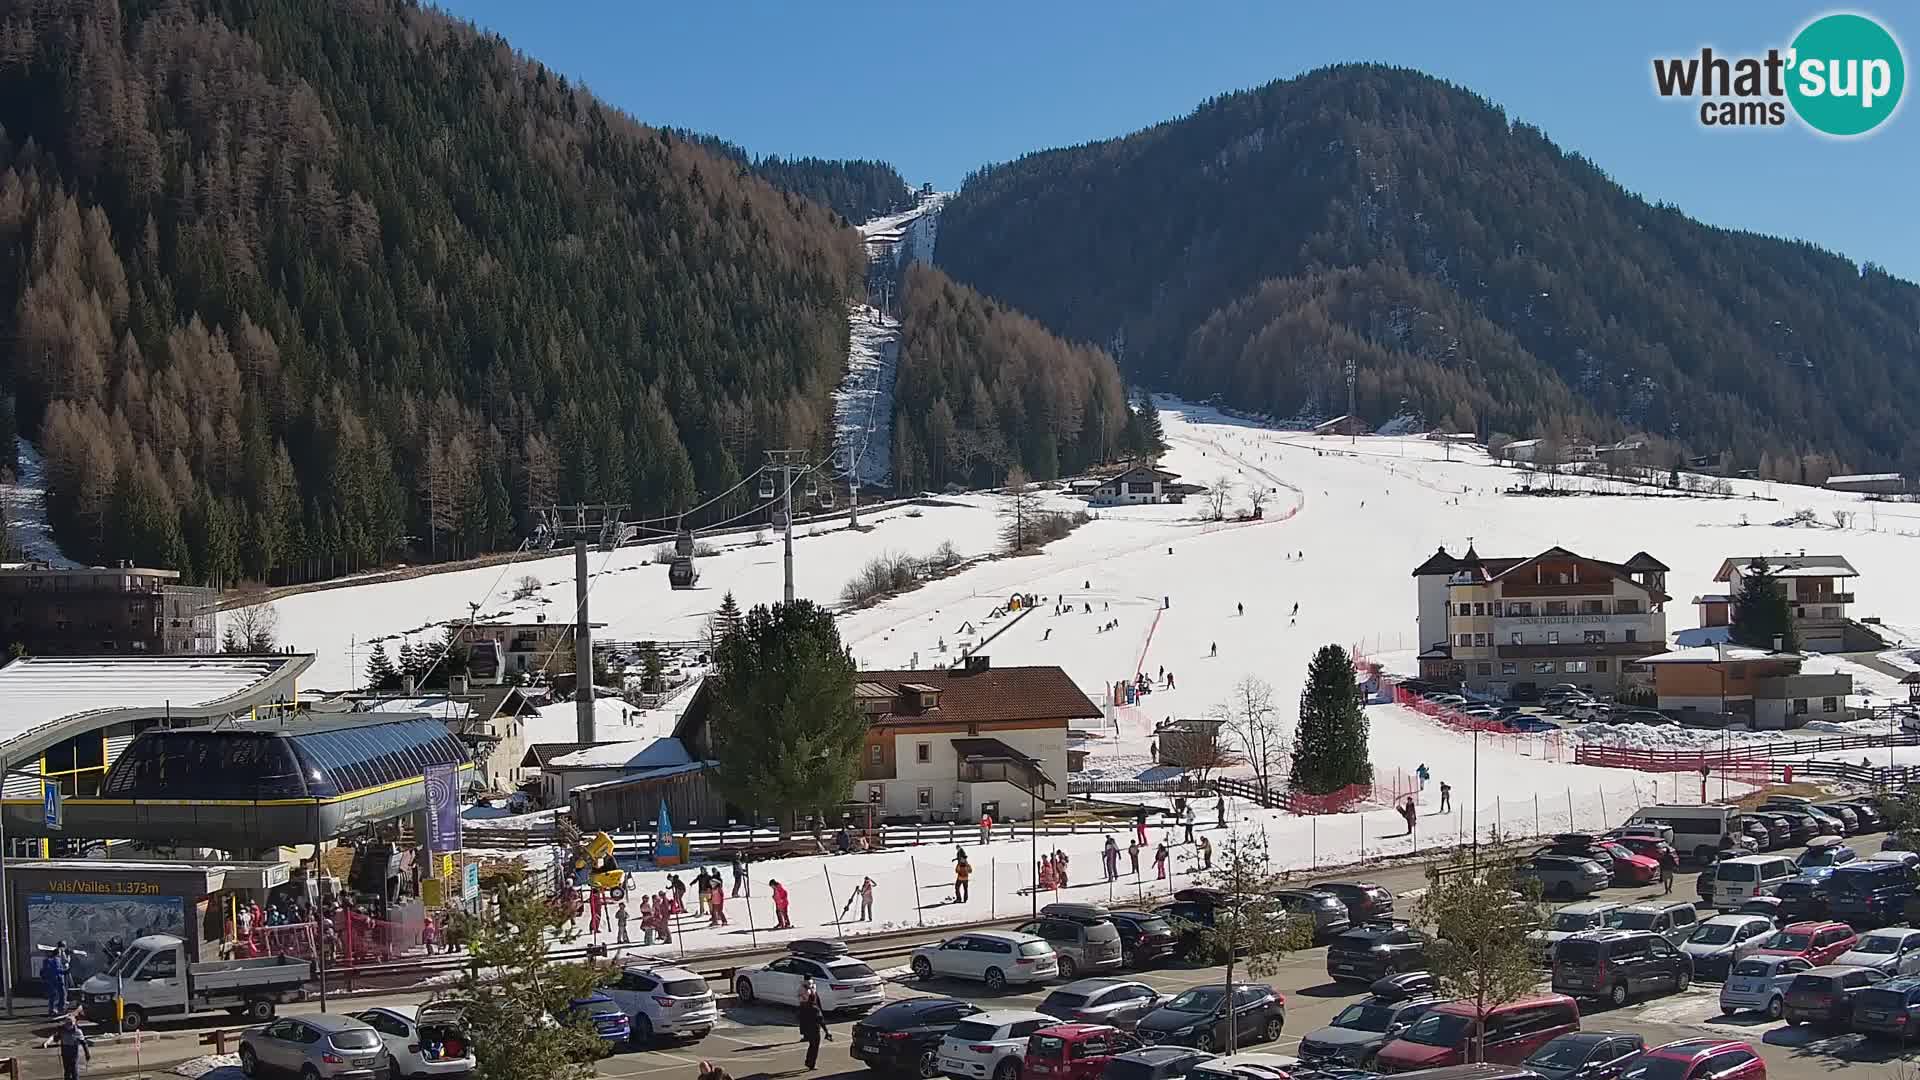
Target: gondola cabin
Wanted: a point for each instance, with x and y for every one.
(681, 573)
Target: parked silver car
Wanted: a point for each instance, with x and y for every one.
(1892, 951)
(329, 1045)
(1564, 876)
(1722, 941)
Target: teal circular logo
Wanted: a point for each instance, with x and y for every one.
(1847, 74)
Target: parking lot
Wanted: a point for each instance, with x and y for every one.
(762, 1040)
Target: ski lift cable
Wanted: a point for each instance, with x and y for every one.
(744, 481)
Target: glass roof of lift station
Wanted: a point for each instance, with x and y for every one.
(296, 760)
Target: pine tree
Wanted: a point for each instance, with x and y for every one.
(785, 727)
(726, 620)
(1146, 435)
(651, 667)
(409, 660)
(381, 674)
(1761, 612)
(1330, 742)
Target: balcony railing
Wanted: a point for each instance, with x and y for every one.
(1802, 686)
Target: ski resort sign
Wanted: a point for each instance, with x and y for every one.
(1842, 75)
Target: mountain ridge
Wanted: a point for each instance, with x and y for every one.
(1651, 320)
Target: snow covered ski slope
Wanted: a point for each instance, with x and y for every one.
(1344, 528)
(863, 403)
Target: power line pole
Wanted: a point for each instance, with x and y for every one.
(1352, 436)
(582, 648)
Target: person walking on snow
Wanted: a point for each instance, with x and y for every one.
(1446, 796)
(1220, 812)
(620, 920)
(739, 873)
(1140, 824)
(780, 919)
(866, 899)
(1188, 822)
(1410, 814)
(962, 870)
(1423, 774)
(986, 829)
(1160, 862)
(1110, 858)
(1170, 685)
(1206, 854)
(1133, 856)
(1214, 649)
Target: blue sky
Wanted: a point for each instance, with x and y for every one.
(938, 89)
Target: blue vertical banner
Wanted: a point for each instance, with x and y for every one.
(443, 807)
(666, 847)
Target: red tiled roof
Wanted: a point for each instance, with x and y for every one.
(998, 693)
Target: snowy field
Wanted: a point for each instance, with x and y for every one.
(1347, 522)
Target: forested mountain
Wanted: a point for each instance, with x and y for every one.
(982, 388)
(288, 288)
(856, 190)
(1476, 273)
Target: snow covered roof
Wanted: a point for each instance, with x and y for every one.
(50, 695)
(991, 693)
(1710, 654)
(637, 754)
(1790, 566)
(1865, 478)
(1713, 598)
(643, 775)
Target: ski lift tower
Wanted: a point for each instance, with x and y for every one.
(596, 522)
(783, 470)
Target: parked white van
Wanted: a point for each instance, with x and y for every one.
(1700, 833)
(1739, 879)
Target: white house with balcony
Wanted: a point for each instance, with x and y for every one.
(1818, 588)
(1554, 617)
(1142, 484)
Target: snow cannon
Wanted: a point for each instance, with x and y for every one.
(593, 864)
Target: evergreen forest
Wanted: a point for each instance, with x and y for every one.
(1478, 277)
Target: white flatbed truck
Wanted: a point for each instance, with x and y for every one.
(154, 978)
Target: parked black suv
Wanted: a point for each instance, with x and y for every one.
(1144, 937)
(1366, 902)
(1802, 899)
(1374, 951)
(1614, 965)
(904, 1036)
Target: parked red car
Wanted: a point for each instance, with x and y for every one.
(1642, 844)
(1698, 1059)
(1818, 942)
(1511, 1033)
(1630, 867)
(1075, 1051)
